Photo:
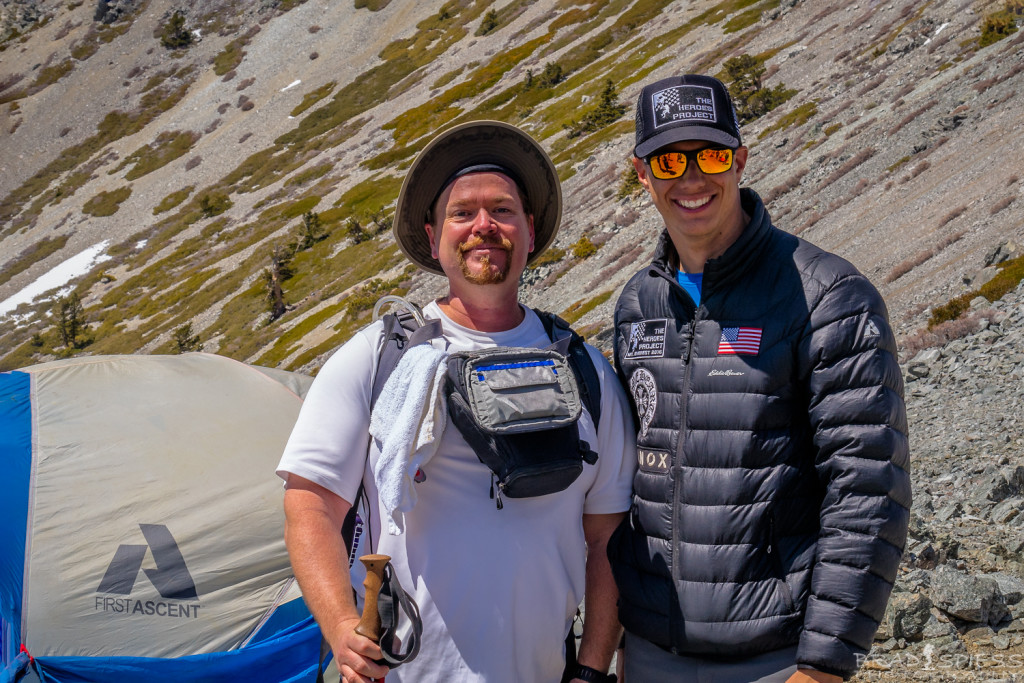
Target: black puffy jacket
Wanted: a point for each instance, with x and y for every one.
(772, 499)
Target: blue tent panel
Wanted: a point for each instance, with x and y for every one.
(15, 671)
(290, 656)
(284, 616)
(16, 443)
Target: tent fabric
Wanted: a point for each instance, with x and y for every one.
(271, 660)
(16, 445)
(16, 670)
(143, 525)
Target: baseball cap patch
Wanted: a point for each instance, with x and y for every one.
(683, 103)
(683, 108)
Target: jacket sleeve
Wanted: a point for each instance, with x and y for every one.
(859, 429)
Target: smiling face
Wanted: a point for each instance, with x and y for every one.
(481, 233)
(702, 212)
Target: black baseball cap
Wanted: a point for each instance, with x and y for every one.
(690, 107)
(473, 147)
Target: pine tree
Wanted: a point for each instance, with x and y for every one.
(70, 316)
(607, 111)
(185, 340)
(750, 97)
(312, 231)
(280, 270)
(489, 23)
(174, 34)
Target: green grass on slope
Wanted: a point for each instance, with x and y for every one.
(167, 147)
(372, 5)
(107, 203)
(584, 306)
(401, 58)
(173, 199)
(437, 111)
(328, 277)
(1006, 280)
(114, 126)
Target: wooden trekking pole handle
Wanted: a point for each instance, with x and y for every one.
(369, 623)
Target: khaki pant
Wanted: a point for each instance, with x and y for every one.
(648, 663)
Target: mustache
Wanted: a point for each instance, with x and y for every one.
(491, 241)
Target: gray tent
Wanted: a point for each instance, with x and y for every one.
(143, 524)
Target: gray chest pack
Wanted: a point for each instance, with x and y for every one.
(517, 408)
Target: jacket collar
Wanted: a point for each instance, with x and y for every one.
(740, 255)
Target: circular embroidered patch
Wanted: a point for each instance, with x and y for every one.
(645, 396)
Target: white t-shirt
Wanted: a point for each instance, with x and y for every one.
(496, 589)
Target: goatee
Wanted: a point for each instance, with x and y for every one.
(486, 275)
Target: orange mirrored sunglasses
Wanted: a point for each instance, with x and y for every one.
(669, 165)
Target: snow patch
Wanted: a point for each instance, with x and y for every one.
(58, 276)
(937, 32)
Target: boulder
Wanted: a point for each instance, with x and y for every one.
(1006, 511)
(1012, 587)
(976, 599)
(996, 485)
(907, 614)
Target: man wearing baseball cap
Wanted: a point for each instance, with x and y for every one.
(497, 579)
(772, 497)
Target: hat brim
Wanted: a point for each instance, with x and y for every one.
(682, 134)
(470, 144)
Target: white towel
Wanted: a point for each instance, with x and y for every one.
(406, 424)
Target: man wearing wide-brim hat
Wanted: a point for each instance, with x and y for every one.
(497, 582)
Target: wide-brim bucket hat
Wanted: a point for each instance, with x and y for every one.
(476, 143)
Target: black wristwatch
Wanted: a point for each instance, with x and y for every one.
(585, 673)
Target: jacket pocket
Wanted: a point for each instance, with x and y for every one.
(777, 566)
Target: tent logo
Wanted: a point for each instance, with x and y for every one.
(171, 577)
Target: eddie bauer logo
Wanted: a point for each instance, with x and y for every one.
(171, 578)
(725, 373)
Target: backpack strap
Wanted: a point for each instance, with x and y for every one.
(396, 608)
(401, 331)
(564, 337)
(399, 614)
(325, 653)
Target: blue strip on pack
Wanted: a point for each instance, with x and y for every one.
(513, 366)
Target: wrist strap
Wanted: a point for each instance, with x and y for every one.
(585, 673)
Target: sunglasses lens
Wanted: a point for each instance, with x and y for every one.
(714, 160)
(668, 165)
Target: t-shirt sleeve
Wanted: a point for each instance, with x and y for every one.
(328, 444)
(616, 446)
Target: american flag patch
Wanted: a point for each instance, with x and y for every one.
(745, 341)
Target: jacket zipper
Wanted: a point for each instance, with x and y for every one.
(675, 627)
(677, 467)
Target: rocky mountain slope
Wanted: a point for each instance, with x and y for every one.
(958, 609)
(185, 167)
(192, 155)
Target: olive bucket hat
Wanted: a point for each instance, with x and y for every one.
(483, 146)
